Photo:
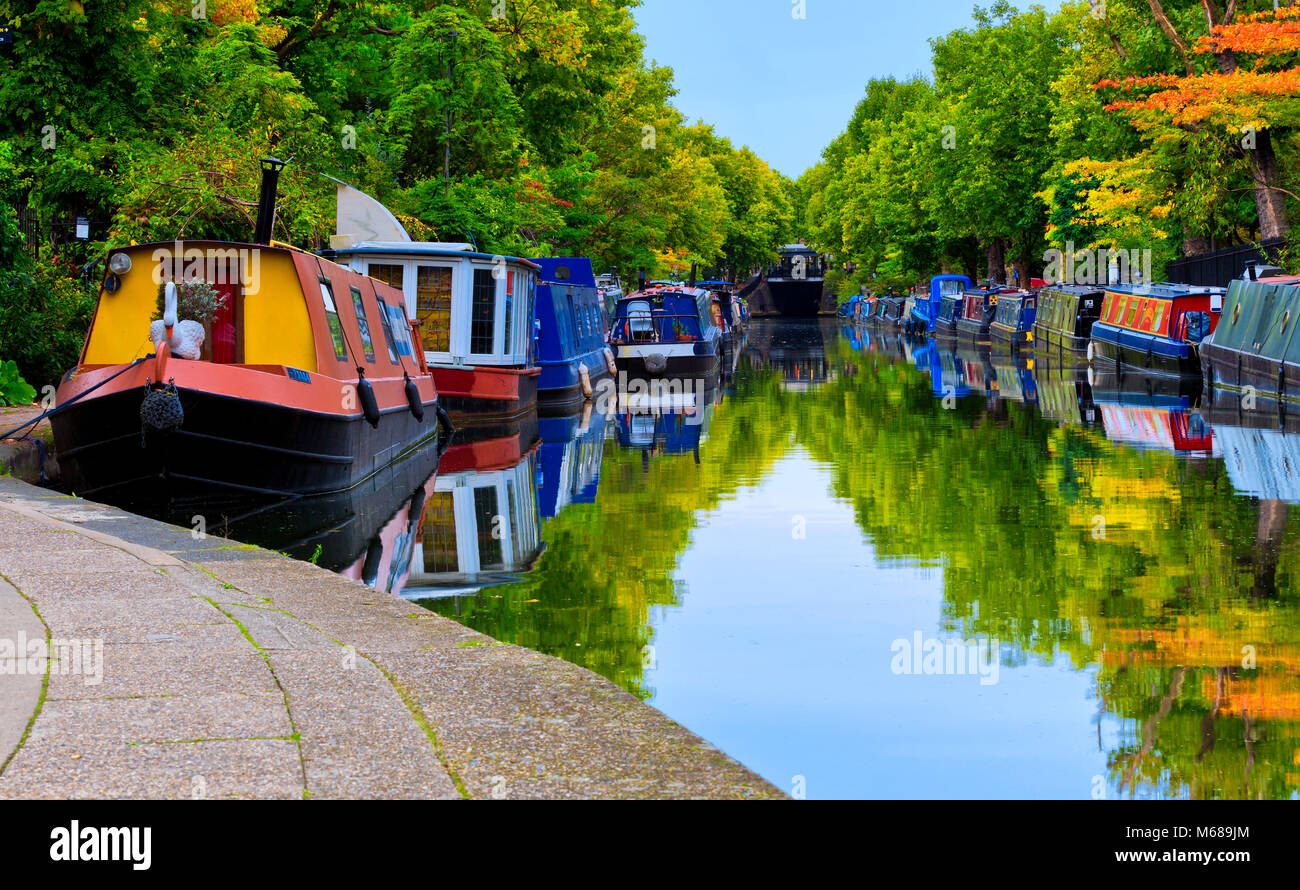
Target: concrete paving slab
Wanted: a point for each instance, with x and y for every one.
(212, 655)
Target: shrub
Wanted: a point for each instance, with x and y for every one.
(44, 314)
(14, 390)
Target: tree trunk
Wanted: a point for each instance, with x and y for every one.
(1022, 269)
(1270, 203)
(1194, 244)
(995, 258)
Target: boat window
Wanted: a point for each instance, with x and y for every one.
(401, 329)
(439, 545)
(433, 306)
(366, 346)
(332, 317)
(508, 343)
(489, 518)
(573, 318)
(483, 312)
(387, 273)
(1159, 317)
(1198, 326)
(1130, 317)
(385, 322)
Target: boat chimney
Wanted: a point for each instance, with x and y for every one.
(692, 282)
(271, 168)
(640, 278)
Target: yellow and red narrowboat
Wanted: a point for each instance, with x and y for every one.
(1154, 329)
(309, 378)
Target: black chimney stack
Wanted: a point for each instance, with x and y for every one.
(271, 168)
(640, 279)
(692, 281)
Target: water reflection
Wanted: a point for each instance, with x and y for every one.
(747, 563)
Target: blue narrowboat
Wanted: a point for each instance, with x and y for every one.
(1154, 329)
(570, 333)
(666, 332)
(723, 296)
(950, 310)
(925, 309)
(1013, 322)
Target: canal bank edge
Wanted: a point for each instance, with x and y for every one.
(225, 670)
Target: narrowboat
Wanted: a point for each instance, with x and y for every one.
(950, 309)
(1066, 313)
(893, 311)
(571, 323)
(304, 377)
(925, 309)
(730, 306)
(793, 286)
(977, 313)
(666, 332)
(474, 310)
(1254, 344)
(1013, 322)
(611, 290)
(1154, 329)
(568, 461)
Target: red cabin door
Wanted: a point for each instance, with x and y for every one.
(227, 322)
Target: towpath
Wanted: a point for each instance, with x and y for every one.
(205, 668)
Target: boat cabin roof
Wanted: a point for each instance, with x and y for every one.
(1165, 290)
(413, 249)
(576, 271)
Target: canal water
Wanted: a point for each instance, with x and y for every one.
(880, 568)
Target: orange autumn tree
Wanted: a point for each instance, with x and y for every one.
(1250, 98)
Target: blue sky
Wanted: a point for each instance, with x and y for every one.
(787, 87)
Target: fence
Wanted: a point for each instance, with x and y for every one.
(61, 229)
(1219, 267)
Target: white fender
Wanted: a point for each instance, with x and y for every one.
(609, 361)
(584, 378)
(1090, 352)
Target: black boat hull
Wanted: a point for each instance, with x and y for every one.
(226, 446)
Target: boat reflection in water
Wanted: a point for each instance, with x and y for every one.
(481, 521)
(1064, 394)
(1015, 376)
(796, 348)
(568, 462)
(1158, 425)
(338, 531)
(673, 424)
